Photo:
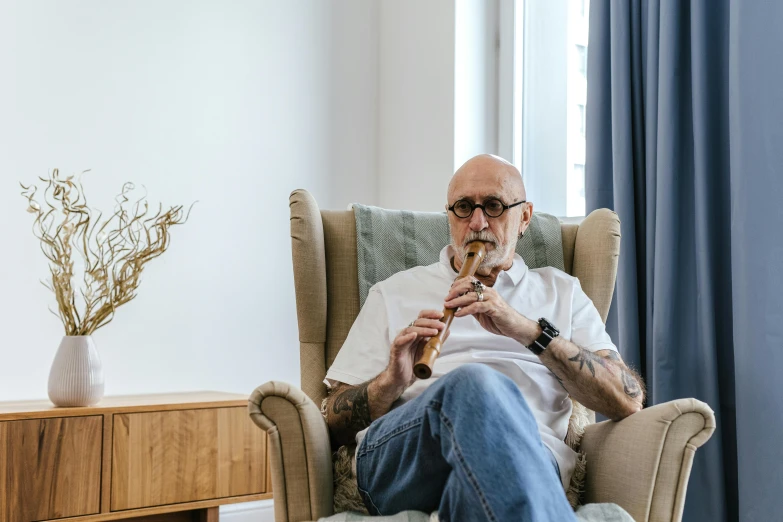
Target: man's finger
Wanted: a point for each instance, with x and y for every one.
(463, 300)
(458, 290)
(431, 314)
(421, 331)
(430, 323)
(475, 308)
(462, 286)
(404, 338)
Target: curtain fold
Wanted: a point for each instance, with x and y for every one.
(756, 130)
(658, 154)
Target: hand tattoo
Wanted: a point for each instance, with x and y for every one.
(355, 400)
(630, 379)
(631, 385)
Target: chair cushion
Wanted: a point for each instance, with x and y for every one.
(390, 241)
(589, 513)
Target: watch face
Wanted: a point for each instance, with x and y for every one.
(548, 326)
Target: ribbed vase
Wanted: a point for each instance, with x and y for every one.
(76, 377)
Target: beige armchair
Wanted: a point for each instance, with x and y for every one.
(641, 463)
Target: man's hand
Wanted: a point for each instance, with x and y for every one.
(407, 346)
(601, 380)
(350, 409)
(493, 313)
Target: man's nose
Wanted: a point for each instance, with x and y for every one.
(478, 221)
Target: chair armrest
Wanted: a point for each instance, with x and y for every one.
(300, 452)
(643, 462)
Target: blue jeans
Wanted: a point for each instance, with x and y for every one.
(467, 447)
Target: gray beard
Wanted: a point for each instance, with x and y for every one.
(494, 258)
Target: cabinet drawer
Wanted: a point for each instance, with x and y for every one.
(51, 468)
(169, 457)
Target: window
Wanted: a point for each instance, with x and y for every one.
(575, 197)
(581, 60)
(549, 63)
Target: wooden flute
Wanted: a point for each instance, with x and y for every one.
(423, 367)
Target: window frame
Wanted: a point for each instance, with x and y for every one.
(514, 47)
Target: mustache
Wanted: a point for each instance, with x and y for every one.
(483, 235)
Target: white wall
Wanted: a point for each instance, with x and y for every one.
(227, 103)
(414, 96)
(416, 103)
(233, 104)
(354, 101)
(475, 79)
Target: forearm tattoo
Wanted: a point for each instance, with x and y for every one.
(356, 401)
(631, 383)
(589, 359)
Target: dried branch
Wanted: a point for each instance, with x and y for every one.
(114, 251)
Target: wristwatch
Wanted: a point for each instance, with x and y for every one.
(549, 333)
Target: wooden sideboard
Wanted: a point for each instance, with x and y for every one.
(152, 458)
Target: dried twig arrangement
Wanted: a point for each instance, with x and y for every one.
(114, 251)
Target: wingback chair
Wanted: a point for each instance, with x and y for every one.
(641, 463)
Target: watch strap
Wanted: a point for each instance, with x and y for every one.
(548, 332)
(540, 344)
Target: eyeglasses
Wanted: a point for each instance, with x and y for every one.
(492, 207)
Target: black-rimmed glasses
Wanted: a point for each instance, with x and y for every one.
(492, 207)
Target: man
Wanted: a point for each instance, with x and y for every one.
(482, 439)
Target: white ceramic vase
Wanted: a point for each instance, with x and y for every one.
(76, 377)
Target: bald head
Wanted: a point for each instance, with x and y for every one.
(484, 173)
(479, 180)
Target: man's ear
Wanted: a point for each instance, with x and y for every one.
(524, 220)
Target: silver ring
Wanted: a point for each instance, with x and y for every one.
(478, 287)
(412, 324)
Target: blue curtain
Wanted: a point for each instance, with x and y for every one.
(685, 143)
(756, 132)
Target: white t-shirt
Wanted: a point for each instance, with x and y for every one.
(543, 292)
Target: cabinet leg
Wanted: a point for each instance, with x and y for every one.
(207, 515)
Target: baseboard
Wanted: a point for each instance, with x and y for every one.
(261, 511)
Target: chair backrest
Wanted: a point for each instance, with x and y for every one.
(326, 276)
